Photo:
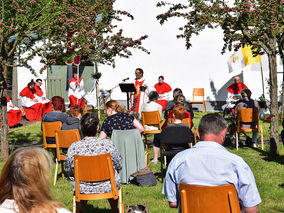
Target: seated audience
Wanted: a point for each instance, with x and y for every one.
(118, 119)
(91, 145)
(179, 99)
(58, 109)
(25, 183)
(179, 113)
(208, 163)
(245, 103)
(170, 105)
(151, 106)
(73, 122)
(14, 114)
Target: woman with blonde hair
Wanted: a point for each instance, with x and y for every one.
(118, 119)
(24, 183)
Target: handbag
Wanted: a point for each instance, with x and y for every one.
(145, 177)
(141, 208)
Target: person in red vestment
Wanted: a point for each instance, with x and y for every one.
(76, 91)
(14, 114)
(164, 92)
(46, 108)
(33, 109)
(142, 91)
(234, 92)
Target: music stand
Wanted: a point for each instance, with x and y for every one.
(127, 87)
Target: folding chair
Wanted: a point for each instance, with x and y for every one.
(175, 140)
(95, 169)
(208, 199)
(151, 119)
(198, 92)
(251, 116)
(48, 130)
(63, 139)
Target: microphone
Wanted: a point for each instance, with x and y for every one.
(125, 79)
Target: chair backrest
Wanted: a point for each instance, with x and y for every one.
(184, 121)
(198, 92)
(176, 135)
(209, 199)
(64, 138)
(249, 115)
(48, 130)
(151, 118)
(94, 169)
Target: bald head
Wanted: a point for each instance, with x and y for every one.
(237, 79)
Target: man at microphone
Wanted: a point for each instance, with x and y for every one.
(142, 91)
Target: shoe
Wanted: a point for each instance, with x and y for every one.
(154, 161)
(254, 145)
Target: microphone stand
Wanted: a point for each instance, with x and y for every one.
(110, 91)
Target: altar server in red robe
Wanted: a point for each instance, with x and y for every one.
(46, 108)
(14, 113)
(234, 92)
(164, 90)
(76, 91)
(33, 109)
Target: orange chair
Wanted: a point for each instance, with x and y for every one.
(208, 199)
(63, 139)
(48, 130)
(249, 115)
(95, 169)
(198, 92)
(152, 119)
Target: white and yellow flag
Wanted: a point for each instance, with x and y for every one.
(236, 61)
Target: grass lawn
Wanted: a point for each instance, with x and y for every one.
(268, 172)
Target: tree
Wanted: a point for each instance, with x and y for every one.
(41, 27)
(258, 23)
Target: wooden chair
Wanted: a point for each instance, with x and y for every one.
(63, 139)
(95, 169)
(198, 92)
(208, 199)
(249, 115)
(154, 119)
(48, 130)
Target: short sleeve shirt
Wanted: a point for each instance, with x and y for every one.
(119, 121)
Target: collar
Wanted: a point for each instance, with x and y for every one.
(208, 144)
(10, 204)
(141, 79)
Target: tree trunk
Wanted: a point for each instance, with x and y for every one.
(274, 137)
(4, 118)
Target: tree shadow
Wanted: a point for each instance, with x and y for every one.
(221, 95)
(267, 157)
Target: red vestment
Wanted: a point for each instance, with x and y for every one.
(236, 88)
(38, 91)
(162, 89)
(14, 115)
(137, 95)
(34, 112)
(76, 93)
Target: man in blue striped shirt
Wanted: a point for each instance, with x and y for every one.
(208, 163)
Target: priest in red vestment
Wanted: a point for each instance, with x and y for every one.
(142, 91)
(32, 107)
(46, 108)
(76, 91)
(234, 92)
(14, 114)
(163, 90)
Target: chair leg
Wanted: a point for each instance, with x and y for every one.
(145, 141)
(62, 169)
(74, 205)
(147, 158)
(120, 202)
(237, 141)
(261, 137)
(55, 174)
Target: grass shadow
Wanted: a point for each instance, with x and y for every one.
(90, 208)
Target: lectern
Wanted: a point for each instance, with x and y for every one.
(127, 87)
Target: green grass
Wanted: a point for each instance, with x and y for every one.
(268, 172)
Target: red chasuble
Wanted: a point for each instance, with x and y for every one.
(161, 89)
(236, 88)
(38, 91)
(136, 97)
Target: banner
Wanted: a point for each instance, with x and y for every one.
(236, 62)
